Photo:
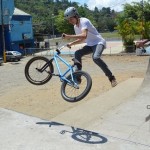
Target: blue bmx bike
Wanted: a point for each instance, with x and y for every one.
(75, 84)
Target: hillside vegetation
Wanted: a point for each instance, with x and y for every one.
(46, 13)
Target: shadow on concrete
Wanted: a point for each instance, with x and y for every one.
(78, 134)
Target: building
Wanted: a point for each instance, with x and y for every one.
(6, 12)
(20, 34)
(17, 32)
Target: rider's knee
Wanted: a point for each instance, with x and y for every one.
(95, 59)
(77, 53)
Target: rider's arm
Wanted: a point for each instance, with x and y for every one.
(141, 43)
(78, 41)
(79, 37)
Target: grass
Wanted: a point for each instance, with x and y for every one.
(107, 36)
(115, 35)
(110, 35)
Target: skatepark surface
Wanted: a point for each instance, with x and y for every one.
(121, 123)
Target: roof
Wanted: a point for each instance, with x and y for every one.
(20, 12)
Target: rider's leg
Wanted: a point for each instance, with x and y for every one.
(80, 53)
(97, 52)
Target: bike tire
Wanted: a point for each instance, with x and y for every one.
(33, 75)
(89, 137)
(72, 94)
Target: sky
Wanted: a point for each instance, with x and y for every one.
(113, 4)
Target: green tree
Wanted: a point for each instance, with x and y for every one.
(133, 21)
(62, 25)
(42, 10)
(126, 28)
(140, 13)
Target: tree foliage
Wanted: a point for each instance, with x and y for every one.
(47, 12)
(62, 25)
(135, 20)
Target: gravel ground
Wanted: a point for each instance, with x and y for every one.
(45, 101)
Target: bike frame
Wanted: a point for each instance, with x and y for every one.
(63, 74)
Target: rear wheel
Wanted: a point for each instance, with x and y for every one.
(75, 93)
(34, 72)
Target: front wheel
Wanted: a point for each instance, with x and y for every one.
(38, 70)
(73, 93)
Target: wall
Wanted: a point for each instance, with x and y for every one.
(7, 10)
(21, 33)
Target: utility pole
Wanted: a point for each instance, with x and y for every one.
(3, 32)
(53, 24)
(142, 3)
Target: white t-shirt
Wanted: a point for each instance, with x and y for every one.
(93, 37)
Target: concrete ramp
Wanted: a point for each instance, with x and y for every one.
(86, 113)
(22, 132)
(120, 114)
(115, 120)
(128, 121)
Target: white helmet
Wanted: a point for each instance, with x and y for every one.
(70, 12)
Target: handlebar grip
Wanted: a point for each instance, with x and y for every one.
(68, 46)
(58, 51)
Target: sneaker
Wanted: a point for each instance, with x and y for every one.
(113, 82)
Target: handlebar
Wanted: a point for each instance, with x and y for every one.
(60, 48)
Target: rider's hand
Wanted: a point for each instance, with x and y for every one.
(64, 35)
(69, 45)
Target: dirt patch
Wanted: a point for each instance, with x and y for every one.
(46, 101)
